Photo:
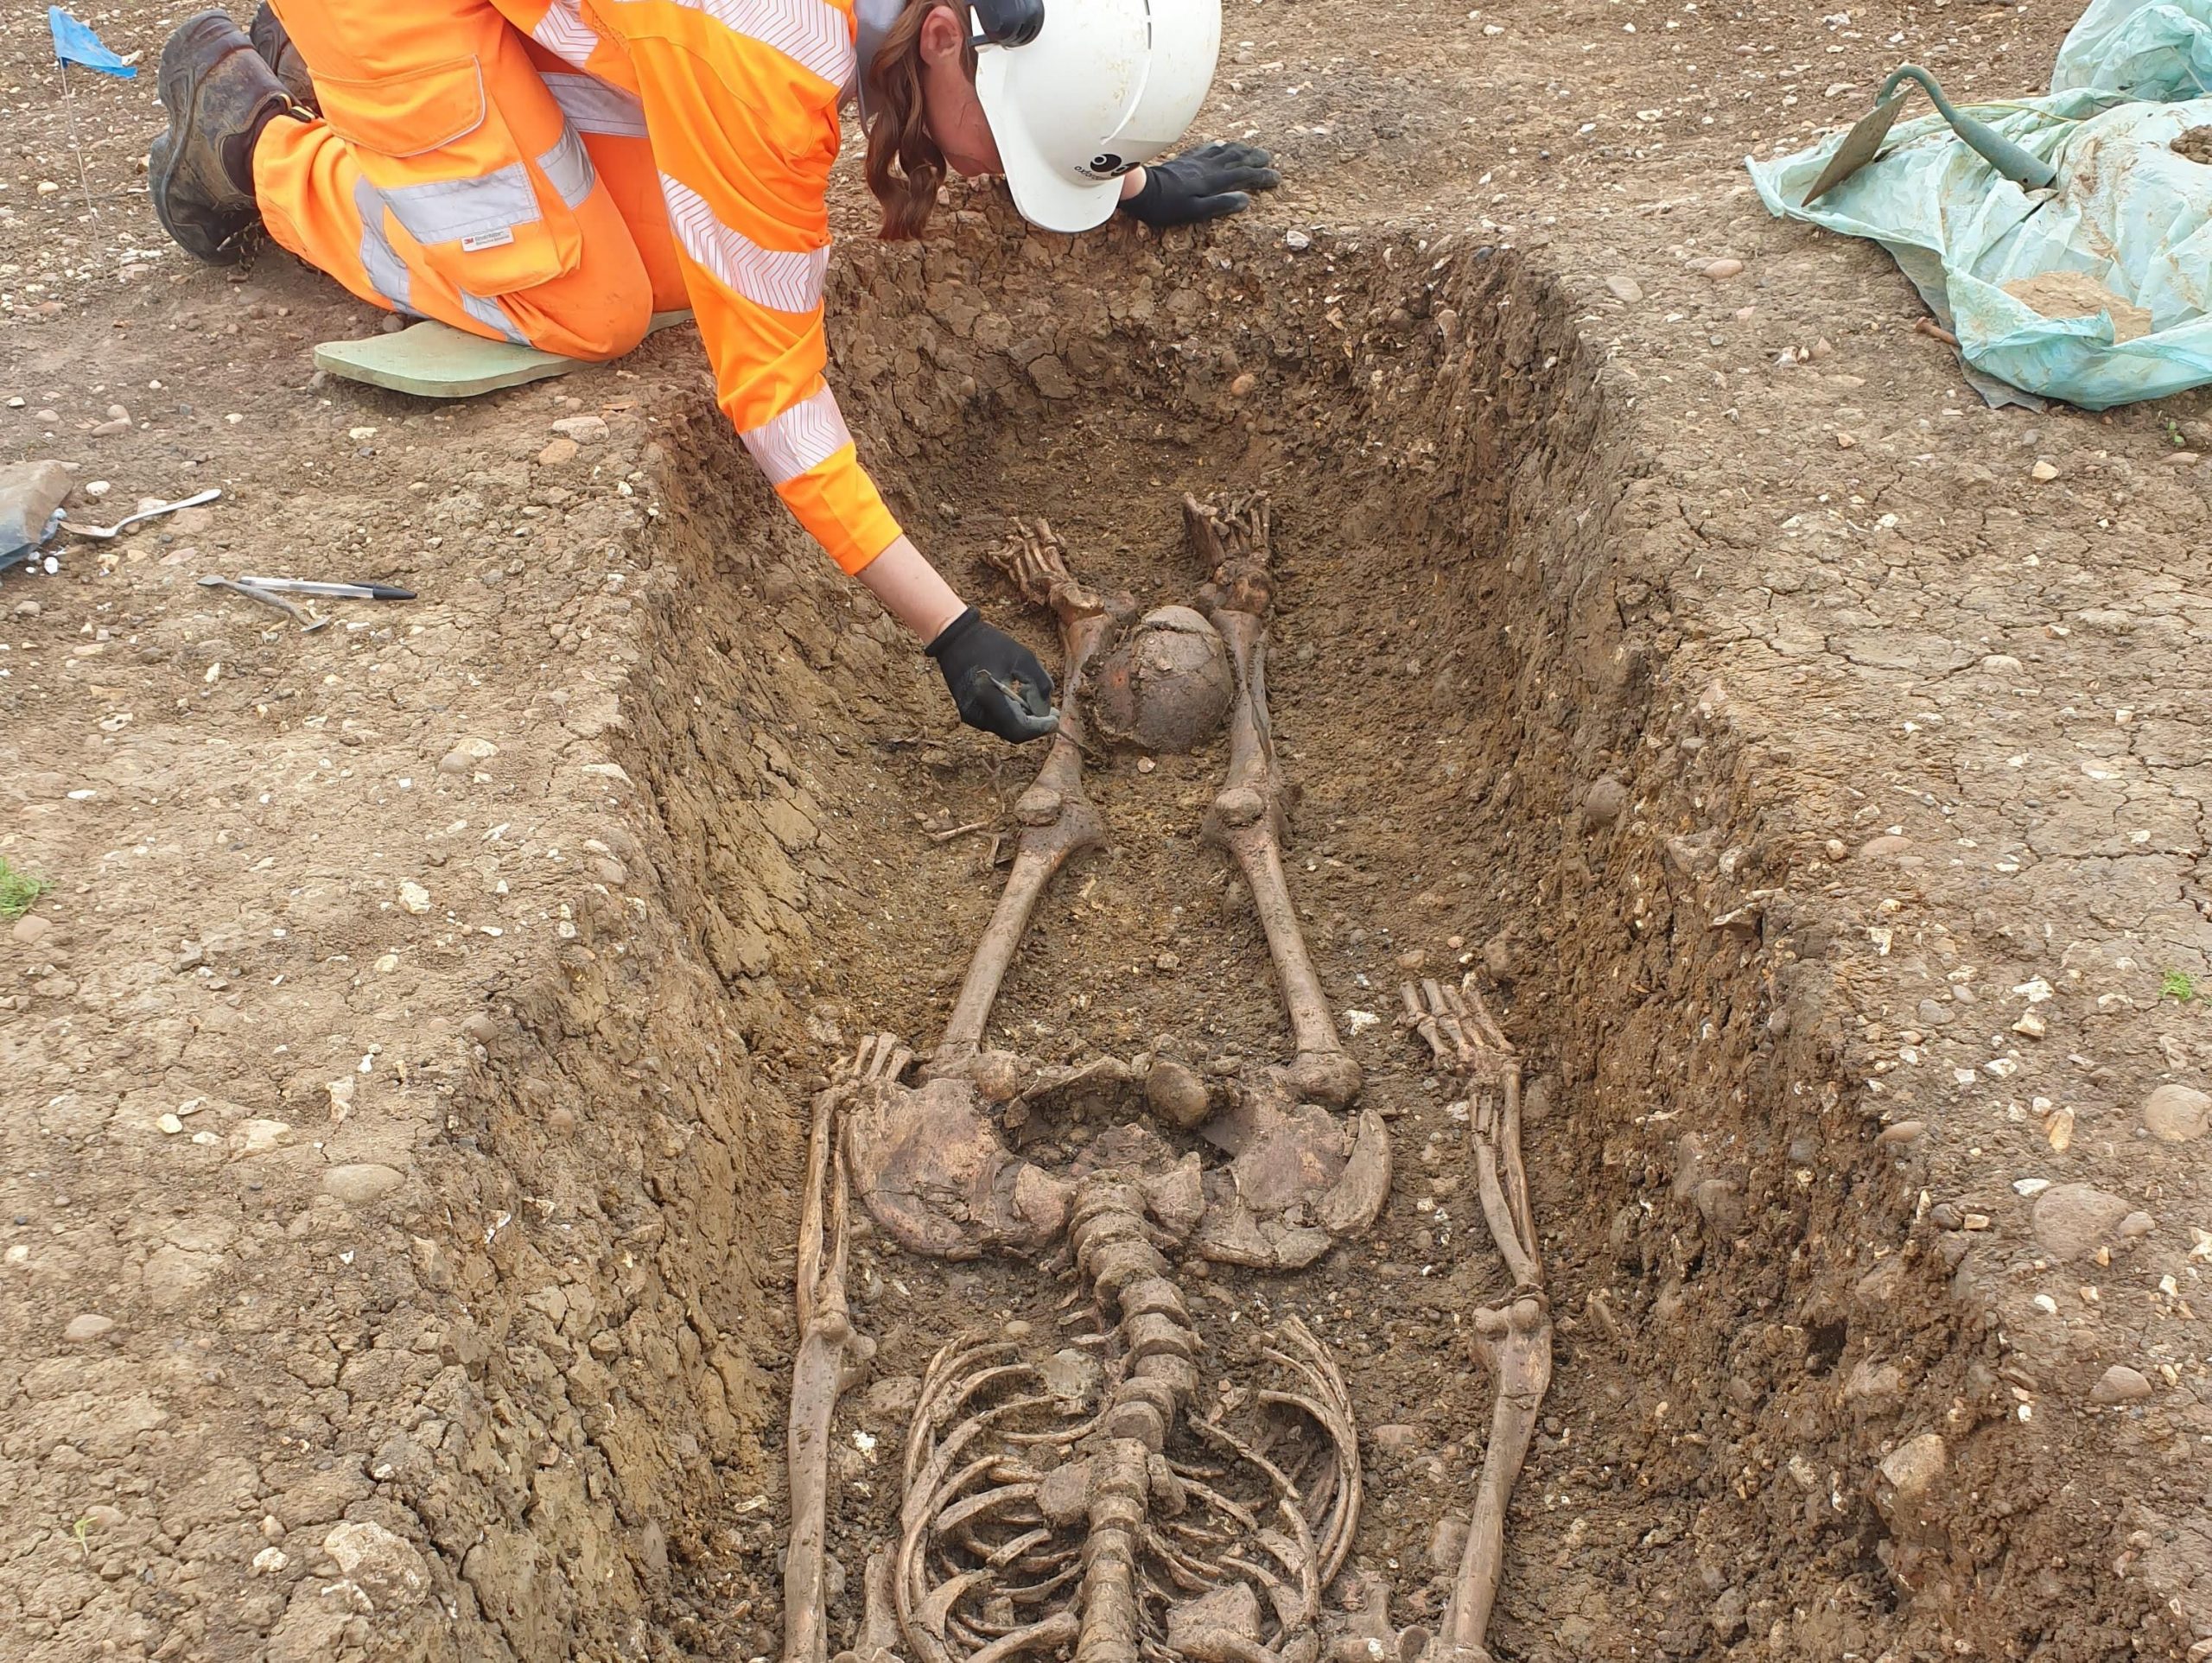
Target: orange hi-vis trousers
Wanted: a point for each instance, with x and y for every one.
(553, 174)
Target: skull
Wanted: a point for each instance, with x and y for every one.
(1168, 685)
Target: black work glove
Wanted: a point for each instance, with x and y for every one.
(1204, 185)
(996, 682)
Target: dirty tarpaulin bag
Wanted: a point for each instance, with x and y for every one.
(2128, 214)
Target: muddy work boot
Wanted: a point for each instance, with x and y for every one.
(276, 50)
(219, 95)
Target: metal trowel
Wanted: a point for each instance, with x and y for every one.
(1864, 141)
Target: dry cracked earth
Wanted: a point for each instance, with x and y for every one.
(403, 1080)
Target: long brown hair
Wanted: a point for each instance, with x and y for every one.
(904, 166)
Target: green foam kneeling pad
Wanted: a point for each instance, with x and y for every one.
(435, 360)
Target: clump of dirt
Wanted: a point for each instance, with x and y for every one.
(2194, 145)
(2077, 295)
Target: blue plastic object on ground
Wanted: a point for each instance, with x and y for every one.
(2126, 212)
(75, 43)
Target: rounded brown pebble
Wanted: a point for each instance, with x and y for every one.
(2177, 1114)
(1603, 803)
(2072, 1220)
(2120, 1384)
(360, 1183)
(88, 1327)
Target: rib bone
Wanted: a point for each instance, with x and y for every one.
(1120, 1489)
(1515, 1341)
(1250, 814)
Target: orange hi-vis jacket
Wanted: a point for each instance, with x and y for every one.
(555, 174)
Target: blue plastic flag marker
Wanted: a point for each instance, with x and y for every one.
(75, 43)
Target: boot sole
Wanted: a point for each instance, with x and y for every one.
(174, 85)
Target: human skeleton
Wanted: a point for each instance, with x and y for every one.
(1103, 1504)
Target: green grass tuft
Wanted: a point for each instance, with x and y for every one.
(2178, 984)
(19, 891)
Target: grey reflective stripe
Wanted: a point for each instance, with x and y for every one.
(803, 437)
(812, 34)
(388, 274)
(594, 106)
(564, 33)
(569, 167)
(453, 210)
(776, 278)
(488, 314)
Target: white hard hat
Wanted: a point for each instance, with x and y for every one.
(1104, 86)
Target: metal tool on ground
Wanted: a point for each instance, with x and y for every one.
(330, 590)
(104, 532)
(306, 619)
(1864, 141)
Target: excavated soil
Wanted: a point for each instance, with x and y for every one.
(402, 1085)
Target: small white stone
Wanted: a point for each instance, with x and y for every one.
(169, 1123)
(269, 1561)
(414, 898)
(2030, 1187)
(97, 487)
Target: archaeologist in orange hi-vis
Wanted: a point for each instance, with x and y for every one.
(555, 174)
